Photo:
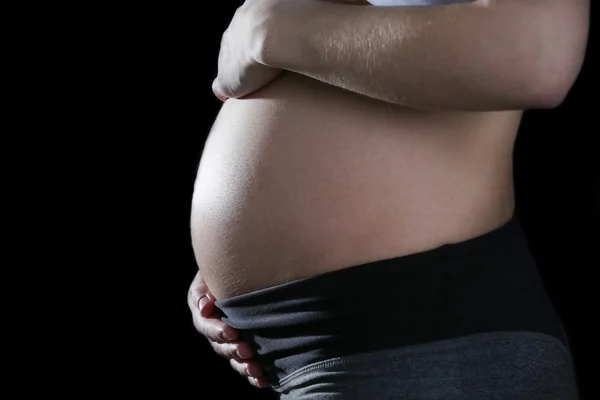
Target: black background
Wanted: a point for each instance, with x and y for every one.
(556, 188)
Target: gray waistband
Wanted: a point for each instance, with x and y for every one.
(493, 365)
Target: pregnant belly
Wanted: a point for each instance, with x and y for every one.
(301, 178)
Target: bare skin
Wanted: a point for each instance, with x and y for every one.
(301, 178)
(222, 337)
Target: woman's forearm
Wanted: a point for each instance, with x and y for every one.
(478, 56)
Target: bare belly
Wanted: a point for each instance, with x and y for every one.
(302, 178)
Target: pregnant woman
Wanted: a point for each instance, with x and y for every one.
(353, 217)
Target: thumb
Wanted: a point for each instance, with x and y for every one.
(199, 294)
(206, 305)
(218, 91)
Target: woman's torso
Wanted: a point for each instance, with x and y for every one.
(302, 178)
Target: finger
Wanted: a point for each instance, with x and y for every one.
(245, 368)
(206, 306)
(200, 298)
(217, 90)
(198, 289)
(214, 329)
(237, 350)
(261, 383)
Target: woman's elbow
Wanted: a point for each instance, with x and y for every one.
(564, 50)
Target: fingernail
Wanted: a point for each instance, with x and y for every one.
(203, 302)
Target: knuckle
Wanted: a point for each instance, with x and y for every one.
(234, 352)
(197, 290)
(218, 349)
(221, 334)
(215, 335)
(199, 285)
(201, 289)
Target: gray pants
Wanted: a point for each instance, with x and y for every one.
(485, 366)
